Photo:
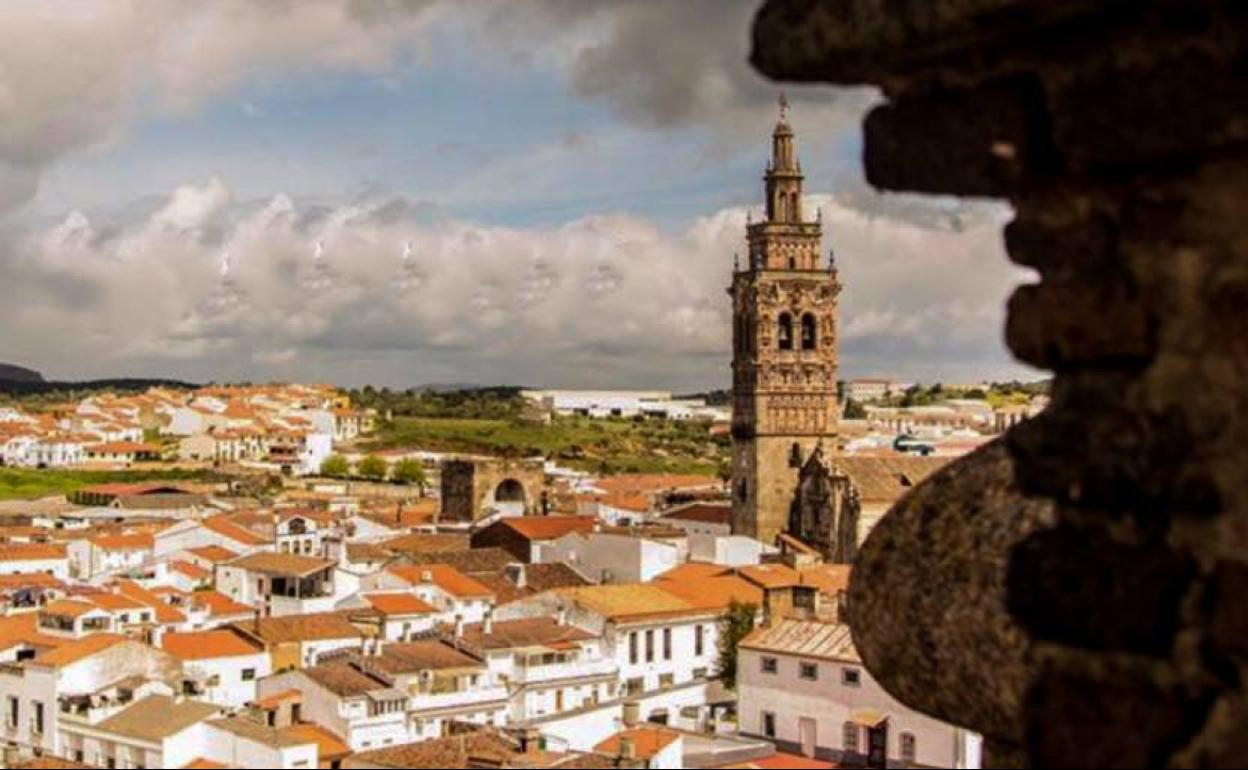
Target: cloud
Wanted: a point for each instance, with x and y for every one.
(662, 65)
(602, 300)
(75, 75)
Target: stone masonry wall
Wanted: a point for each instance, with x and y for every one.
(1118, 129)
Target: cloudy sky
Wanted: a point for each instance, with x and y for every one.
(542, 192)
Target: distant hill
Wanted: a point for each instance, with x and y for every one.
(14, 373)
(42, 387)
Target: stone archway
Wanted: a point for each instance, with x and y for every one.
(509, 497)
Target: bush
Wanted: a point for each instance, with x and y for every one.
(372, 468)
(409, 471)
(336, 467)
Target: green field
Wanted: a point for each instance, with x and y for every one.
(29, 483)
(604, 446)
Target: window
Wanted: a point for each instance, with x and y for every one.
(770, 666)
(249, 674)
(809, 671)
(632, 647)
(808, 331)
(850, 677)
(38, 726)
(769, 725)
(784, 331)
(667, 644)
(699, 641)
(908, 747)
(650, 645)
(14, 711)
(850, 737)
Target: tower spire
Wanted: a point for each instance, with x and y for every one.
(784, 173)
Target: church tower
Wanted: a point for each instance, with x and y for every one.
(784, 302)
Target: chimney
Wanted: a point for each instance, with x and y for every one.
(459, 626)
(628, 749)
(255, 623)
(426, 576)
(487, 623)
(561, 617)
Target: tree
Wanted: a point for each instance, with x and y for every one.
(736, 624)
(372, 468)
(409, 471)
(336, 467)
(854, 410)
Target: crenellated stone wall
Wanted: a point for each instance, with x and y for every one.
(1116, 578)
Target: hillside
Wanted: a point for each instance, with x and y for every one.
(603, 446)
(15, 373)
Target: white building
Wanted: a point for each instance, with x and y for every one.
(613, 557)
(393, 695)
(550, 666)
(801, 684)
(220, 666)
(701, 518)
(625, 403)
(30, 558)
(46, 695)
(279, 583)
(456, 596)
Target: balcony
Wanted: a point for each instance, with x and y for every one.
(575, 669)
(439, 698)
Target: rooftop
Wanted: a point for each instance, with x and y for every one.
(282, 564)
(807, 638)
(157, 717)
(526, 632)
(202, 645)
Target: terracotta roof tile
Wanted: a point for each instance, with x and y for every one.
(444, 577)
(79, 649)
(281, 564)
(32, 552)
(547, 527)
(213, 553)
(200, 645)
(157, 717)
(298, 628)
(398, 604)
(647, 742)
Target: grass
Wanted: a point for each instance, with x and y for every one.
(30, 484)
(607, 446)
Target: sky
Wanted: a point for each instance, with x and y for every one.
(402, 192)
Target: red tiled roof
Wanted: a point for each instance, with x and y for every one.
(398, 604)
(443, 576)
(201, 645)
(32, 552)
(549, 527)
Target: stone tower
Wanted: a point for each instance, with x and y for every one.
(784, 350)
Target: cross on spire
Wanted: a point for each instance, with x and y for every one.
(784, 106)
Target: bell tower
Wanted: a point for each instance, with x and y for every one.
(784, 302)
